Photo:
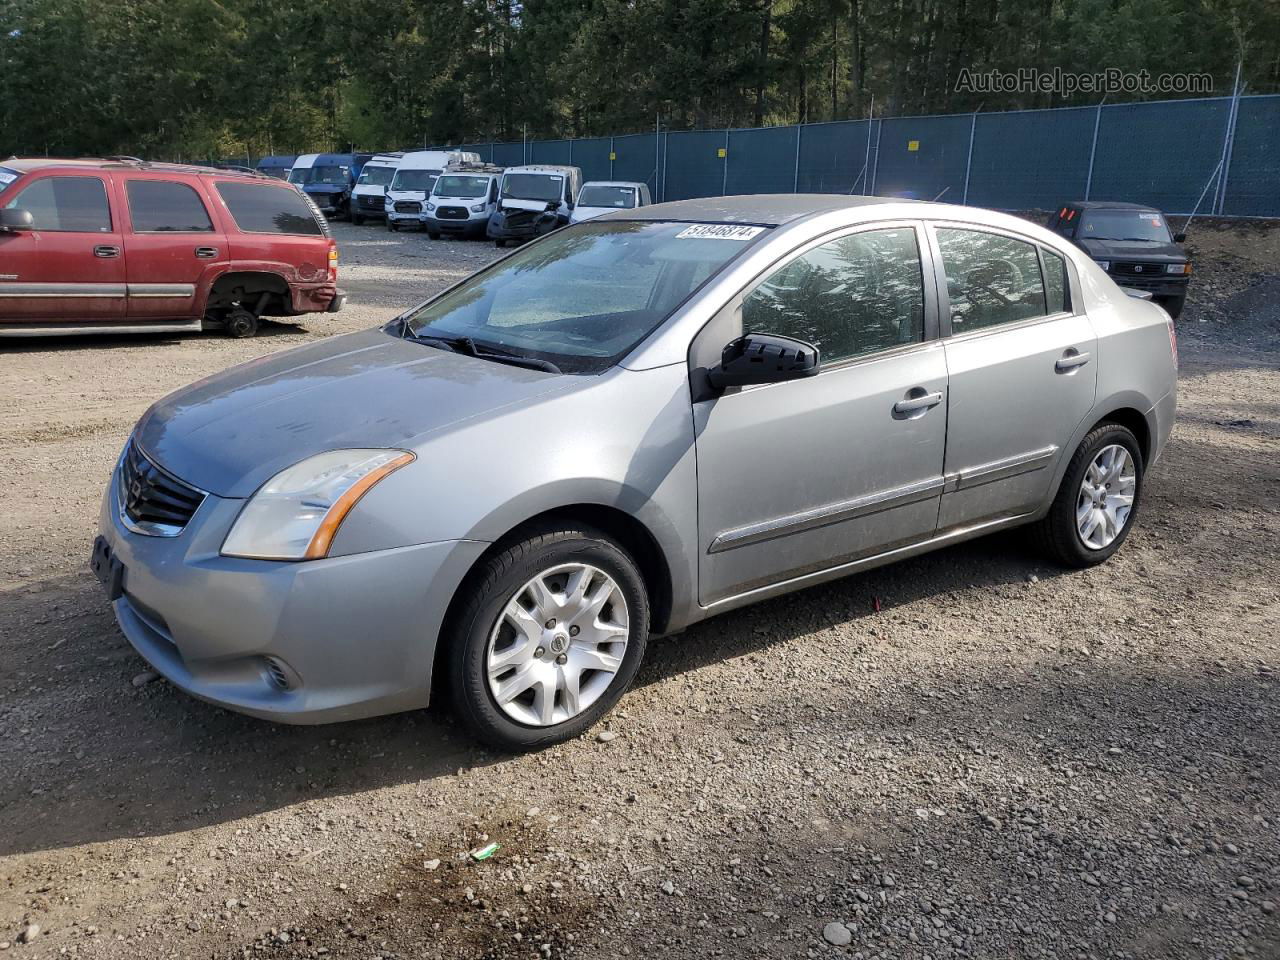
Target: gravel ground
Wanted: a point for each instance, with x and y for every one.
(1006, 760)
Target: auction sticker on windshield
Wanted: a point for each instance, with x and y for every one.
(718, 231)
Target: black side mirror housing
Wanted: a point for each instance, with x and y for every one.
(13, 219)
(763, 358)
(1179, 238)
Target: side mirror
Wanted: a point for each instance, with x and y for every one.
(1179, 238)
(13, 219)
(763, 358)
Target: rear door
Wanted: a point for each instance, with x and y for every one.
(70, 266)
(1022, 368)
(174, 250)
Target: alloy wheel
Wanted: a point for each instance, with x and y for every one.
(1106, 497)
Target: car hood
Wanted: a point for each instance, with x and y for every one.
(537, 206)
(230, 433)
(1121, 250)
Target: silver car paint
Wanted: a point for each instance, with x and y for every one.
(760, 492)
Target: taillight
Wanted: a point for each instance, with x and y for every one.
(333, 260)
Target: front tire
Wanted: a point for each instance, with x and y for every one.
(550, 634)
(357, 220)
(1097, 503)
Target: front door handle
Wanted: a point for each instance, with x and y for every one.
(1071, 360)
(917, 404)
(206, 253)
(106, 251)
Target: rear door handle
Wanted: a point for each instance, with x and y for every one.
(1070, 361)
(106, 251)
(206, 253)
(916, 404)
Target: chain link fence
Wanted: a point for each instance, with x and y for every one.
(1218, 155)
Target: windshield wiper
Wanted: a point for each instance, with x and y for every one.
(466, 345)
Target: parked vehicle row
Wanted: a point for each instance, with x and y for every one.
(93, 246)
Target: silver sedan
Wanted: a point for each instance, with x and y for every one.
(623, 428)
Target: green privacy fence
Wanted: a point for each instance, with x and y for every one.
(1216, 156)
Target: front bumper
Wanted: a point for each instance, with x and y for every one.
(351, 636)
(521, 225)
(1156, 286)
(328, 203)
(473, 226)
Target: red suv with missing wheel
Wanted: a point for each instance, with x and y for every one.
(120, 245)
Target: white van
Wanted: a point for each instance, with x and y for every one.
(415, 176)
(462, 200)
(368, 196)
(533, 200)
(602, 196)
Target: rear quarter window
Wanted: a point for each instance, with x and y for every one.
(265, 208)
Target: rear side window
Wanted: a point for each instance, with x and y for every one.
(991, 279)
(166, 206)
(66, 204)
(262, 208)
(1055, 282)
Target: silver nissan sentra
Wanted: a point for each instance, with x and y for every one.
(618, 430)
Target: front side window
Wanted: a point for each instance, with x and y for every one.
(66, 205)
(582, 297)
(262, 208)
(853, 296)
(593, 195)
(991, 279)
(376, 176)
(453, 185)
(414, 181)
(546, 187)
(166, 206)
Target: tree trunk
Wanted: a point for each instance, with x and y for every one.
(762, 61)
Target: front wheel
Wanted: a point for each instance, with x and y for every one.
(391, 225)
(356, 220)
(433, 234)
(550, 635)
(1098, 501)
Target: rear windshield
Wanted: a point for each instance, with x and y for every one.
(263, 208)
(376, 176)
(457, 186)
(1144, 226)
(593, 195)
(533, 186)
(7, 177)
(415, 180)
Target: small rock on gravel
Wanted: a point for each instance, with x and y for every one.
(604, 736)
(837, 934)
(29, 933)
(142, 679)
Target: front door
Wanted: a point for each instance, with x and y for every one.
(70, 267)
(798, 477)
(1023, 370)
(173, 248)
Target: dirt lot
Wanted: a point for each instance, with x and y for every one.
(1007, 760)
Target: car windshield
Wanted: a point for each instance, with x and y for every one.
(582, 297)
(376, 176)
(329, 174)
(456, 186)
(418, 181)
(533, 186)
(598, 195)
(1142, 225)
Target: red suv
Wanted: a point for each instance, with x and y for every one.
(96, 246)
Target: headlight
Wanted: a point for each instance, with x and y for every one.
(1182, 268)
(477, 208)
(1104, 264)
(296, 514)
(388, 202)
(430, 207)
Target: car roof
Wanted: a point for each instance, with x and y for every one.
(613, 183)
(772, 209)
(31, 164)
(1108, 205)
(543, 168)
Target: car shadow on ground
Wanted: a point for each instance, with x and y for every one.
(152, 760)
(267, 327)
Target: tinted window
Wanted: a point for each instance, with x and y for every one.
(1144, 226)
(158, 206)
(595, 195)
(991, 279)
(850, 297)
(547, 187)
(1055, 283)
(458, 186)
(332, 174)
(262, 208)
(66, 204)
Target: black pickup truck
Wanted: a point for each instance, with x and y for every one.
(1133, 244)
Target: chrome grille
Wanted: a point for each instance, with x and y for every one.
(152, 502)
(1125, 268)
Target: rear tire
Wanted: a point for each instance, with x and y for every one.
(1092, 498)
(558, 676)
(240, 323)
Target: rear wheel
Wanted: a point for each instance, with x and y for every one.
(240, 323)
(1098, 501)
(550, 635)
